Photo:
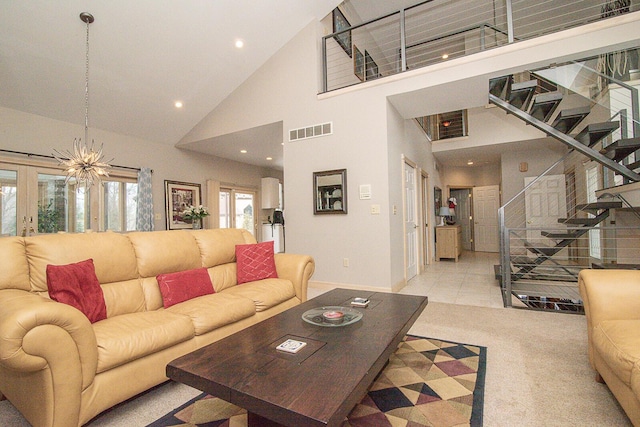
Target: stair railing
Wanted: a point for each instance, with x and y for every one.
(357, 52)
(506, 234)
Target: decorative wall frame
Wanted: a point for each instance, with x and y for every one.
(330, 192)
(358, 63)
(178, 197)
(437, 199)
(340, 23)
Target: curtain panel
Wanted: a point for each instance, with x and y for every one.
(144, 214)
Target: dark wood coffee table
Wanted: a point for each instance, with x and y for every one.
(319, 385)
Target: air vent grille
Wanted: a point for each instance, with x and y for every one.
(311, 131)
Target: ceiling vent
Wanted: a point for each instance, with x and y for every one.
(311, 131)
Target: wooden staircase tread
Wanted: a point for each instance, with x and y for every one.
(579, 221)
(599, 205)
(544, 105)
(542, 249)
(621, 148)
(602, 266)
(523, 260)
(593, 133)
(522, 93)
(567, 120)
(501, 86)
(561, 235)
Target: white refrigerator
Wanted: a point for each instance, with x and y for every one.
(274, 232)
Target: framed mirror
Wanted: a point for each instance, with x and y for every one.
(330, 192)
(437, 199)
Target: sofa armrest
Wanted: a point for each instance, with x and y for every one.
(296, 268)
(609, 294)
(36, 332)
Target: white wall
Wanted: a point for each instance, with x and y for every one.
(473, 176)
(286, 89)
(369, 138)
(538, 159)
(39, 135)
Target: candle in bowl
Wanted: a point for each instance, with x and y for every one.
(333, 316)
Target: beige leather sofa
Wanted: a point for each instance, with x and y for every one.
(612, 305)
(58, 369)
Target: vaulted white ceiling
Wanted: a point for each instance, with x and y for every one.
(144, 56)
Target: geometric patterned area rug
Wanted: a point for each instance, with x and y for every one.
(427, 382)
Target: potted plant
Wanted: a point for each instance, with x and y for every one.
(195, 214)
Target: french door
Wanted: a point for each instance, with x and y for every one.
(37, 199)
(237, 209)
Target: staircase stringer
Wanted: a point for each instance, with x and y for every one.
(565, 139)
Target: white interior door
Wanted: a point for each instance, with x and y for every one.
(410, 222)
(545, 203)
(425, 210)
(486, 201)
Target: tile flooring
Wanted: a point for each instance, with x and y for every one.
(470, 281)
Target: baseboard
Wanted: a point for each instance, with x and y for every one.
(329, 286)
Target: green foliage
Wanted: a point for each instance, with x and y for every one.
(48, 218)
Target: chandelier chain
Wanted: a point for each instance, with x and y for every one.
(85, 165)
(86, 89)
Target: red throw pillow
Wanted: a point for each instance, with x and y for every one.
(184, 285)
(255, 262)
(77, 285)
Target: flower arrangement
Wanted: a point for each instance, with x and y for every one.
(193, 212)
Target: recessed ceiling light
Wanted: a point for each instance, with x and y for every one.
(269, 158)
(243, 151)
(178, 104)
(445, 56)
(239, 44)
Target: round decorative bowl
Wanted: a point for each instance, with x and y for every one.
(332, 316)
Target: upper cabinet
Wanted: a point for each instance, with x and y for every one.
(270, 193)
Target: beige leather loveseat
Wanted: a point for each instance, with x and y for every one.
(612, 305)
(59, 369)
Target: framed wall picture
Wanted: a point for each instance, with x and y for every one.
(358, 63)
(437, 199)
(178, 197)
(340, 23)
(330, 192)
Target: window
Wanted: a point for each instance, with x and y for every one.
(237, 209)
(120, 205)
(592, 185)
(445, 125)
(37, 198)
(8, 202)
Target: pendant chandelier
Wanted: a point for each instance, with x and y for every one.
(84, 163)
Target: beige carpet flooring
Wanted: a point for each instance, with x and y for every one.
(537, 371)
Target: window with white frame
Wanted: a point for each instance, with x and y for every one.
(37, 198)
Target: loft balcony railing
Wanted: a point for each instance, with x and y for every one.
(439, 30)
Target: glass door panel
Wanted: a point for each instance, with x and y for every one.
(225, 209)
(245, 211)
(113, 213)
(8, 202)
(61, 206)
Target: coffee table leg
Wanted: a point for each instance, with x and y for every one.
(254, 420)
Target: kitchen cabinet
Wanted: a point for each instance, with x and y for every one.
(270, 193)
